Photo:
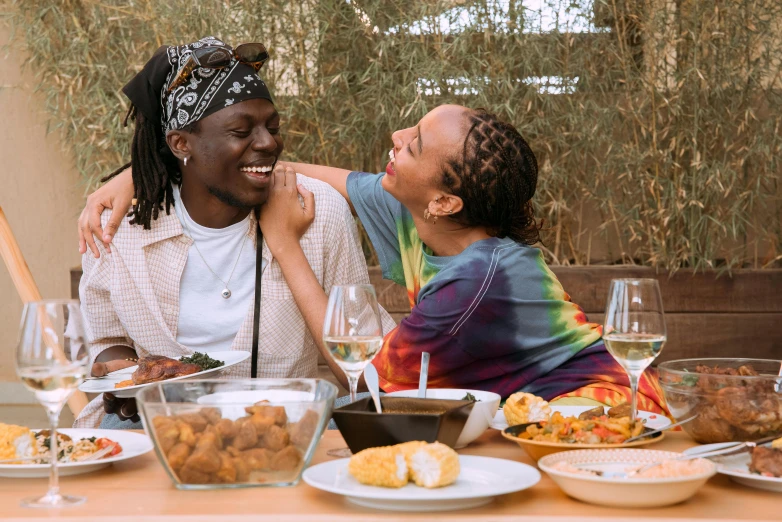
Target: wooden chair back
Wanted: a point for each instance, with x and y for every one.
(26, 287)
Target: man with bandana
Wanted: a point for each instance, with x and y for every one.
(180, 276)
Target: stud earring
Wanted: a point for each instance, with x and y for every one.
(185, 160)
(450, 211)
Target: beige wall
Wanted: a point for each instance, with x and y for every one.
(40, 194)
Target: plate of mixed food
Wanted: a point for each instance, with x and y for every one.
(420, 476)
(760, 467)
(156, 368)
(25, 452)
(541, 431)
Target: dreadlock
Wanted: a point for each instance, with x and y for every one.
(495, 178)
(155, 170)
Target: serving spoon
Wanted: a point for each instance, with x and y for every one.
(370, 378)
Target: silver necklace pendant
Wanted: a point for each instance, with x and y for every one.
(225, 293)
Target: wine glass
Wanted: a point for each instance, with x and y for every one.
(634, 328)
(353, 334)
(51, 360)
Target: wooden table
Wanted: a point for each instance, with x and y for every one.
(139, 490)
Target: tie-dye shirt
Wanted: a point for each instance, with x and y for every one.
(493, 317)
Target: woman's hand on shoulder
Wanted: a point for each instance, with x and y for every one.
(117, 195)
(283, 218)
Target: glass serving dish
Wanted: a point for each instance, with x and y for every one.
(212, 434)
(743, 406)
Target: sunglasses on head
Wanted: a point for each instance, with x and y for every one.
(219, 57)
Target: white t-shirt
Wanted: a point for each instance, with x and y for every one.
(207, 321)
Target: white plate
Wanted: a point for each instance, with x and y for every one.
(481, 479)
(133, 445)
(230, 358)
(654, 421)
(737, 468)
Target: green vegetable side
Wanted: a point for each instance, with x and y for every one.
(202, 360)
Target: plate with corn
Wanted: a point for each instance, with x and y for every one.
(420, 476)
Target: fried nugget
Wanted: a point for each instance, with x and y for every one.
(257, 458)
(196, 420)
(302, 431)
(247, 437)
(274, 438)
(167, 433)
(227, 472)
(186, 434)
(178, 455)
(261, 422)
(227, 428)
(264, 409)
(190, 475)
(212, 415)
(287, 459)
(242, 469)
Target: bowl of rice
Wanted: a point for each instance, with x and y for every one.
(671, 482)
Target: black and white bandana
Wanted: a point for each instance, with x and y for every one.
(205, 92)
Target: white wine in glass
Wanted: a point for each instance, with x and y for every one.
(51, 360)
(634, 328)
(353, 334)
(353, 353)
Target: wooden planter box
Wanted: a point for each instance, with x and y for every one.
(738, 315)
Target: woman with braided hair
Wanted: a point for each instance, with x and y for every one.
(452, 221)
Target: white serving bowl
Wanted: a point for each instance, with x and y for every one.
(623, 492)
(480, 418)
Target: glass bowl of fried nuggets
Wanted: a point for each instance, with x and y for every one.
(213, 434)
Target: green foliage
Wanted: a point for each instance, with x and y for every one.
(665, 122)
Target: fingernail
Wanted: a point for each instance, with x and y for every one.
(107, 238)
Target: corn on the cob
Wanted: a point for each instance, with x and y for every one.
(433, 465)
(16, 442)
(521, 408)
(383, 466)
(407, 448)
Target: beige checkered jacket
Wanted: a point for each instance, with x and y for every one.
(131, 296)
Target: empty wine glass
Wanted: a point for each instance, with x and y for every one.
(634, 328)
(353, 333)
(51, 360)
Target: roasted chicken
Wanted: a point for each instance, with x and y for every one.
(766, 461)
(155, 368)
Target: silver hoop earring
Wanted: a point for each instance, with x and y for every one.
(185, 160)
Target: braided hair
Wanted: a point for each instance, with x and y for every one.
(496, 178)
(155, 169)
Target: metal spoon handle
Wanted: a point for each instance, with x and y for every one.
(371, 379)
(653, 432)
(424, 375)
